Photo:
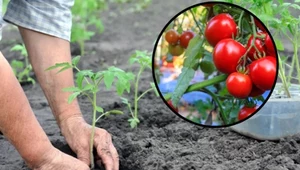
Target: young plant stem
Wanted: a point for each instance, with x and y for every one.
(136, 92)
(283, 78)
(93, 130)
(200, 85)
(145, 92)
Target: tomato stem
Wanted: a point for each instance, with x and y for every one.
(199, 27)
(240, 23)
(215, 98)
(200, 85)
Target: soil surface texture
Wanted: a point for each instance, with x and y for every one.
(162, 140)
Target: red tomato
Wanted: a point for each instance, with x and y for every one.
(171, 105)
(227, 54)
(220, 27)
(270, 46)
(185, 38)
(255, 92)
(239, 85)
(259, 25)
(246, 112)
(172, 37)
(176, 50)
(263, 72)
(259, 46)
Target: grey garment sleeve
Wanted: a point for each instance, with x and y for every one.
(52, 17)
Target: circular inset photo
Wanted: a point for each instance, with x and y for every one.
(215, 64)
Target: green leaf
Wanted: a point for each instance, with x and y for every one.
(279, 45)
(75, 60)
(117, 112)
(188, 72)
(71, 89)
(17, 64)
(65, 68)
(87, 87)
(17, 47)
(58, 65)
(155, 89)
(133, 122)
(99, 109)
(124, 100)
(72, 97)
(108, 79)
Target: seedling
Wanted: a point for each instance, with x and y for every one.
(88, 83)
(22, 69)
(84, 16)
(143, 59)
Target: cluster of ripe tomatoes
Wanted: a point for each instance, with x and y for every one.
(251, 67)
(178, 43)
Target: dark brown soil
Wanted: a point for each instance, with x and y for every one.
(162, 141)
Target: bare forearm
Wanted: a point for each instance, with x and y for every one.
(17, 121)
(46, 51)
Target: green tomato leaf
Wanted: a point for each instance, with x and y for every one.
(75, 60)
(133, 122)
(117, 112)
(99, 109)
(124, 100)
(58, 65)
(279, 45)
(188, 72)
(72, 97)
(65, 68)
(88, 87)
(108, 79)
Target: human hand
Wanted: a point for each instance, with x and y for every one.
(77, 134)
(55, 159)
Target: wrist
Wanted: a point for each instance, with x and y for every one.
(39, 155)
(70, 124)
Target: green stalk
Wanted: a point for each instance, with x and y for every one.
(136, 92)
(200, 85)
(145, 92)
(93, 130)
(282, 77)
(215, 98)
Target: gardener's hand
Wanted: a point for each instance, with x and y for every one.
(55, 159)
(77, 133)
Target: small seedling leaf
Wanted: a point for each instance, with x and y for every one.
(58, 65)
(117, 112)
(108, 79)
(99, 109)
(133, 122)
(17, 64)
(65, 68)
(124, 100)
(87, 87)
(71, 89)
(155, 89)
(72, 97)
(17, 47)
(75, 60)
